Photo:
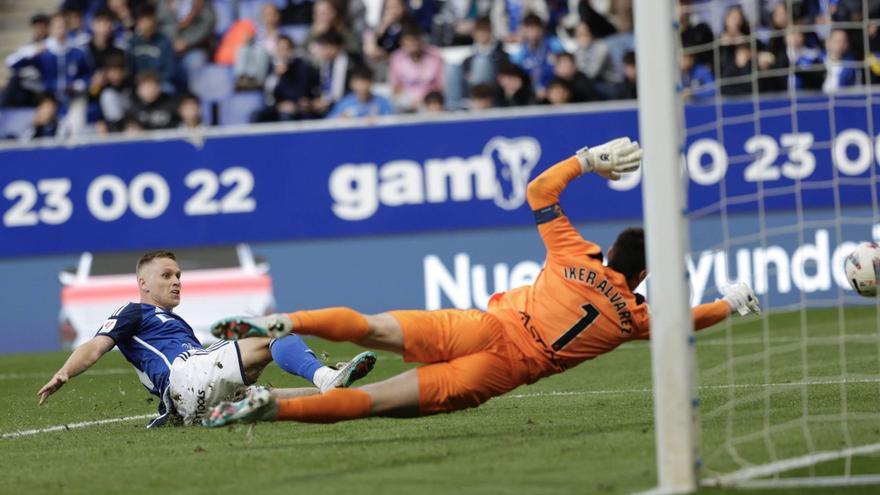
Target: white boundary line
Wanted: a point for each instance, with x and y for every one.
(73, 426)
(86, 424)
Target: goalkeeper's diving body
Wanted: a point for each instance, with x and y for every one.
(576, 309)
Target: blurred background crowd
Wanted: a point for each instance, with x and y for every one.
(109, 66)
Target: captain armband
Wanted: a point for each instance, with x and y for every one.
(548, 213)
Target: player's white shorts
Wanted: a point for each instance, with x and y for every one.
(201, 378)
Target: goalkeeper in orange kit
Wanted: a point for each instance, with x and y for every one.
(576, 310)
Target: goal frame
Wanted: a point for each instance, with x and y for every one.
(664, 194)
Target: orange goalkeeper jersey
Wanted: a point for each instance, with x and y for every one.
(577, 308)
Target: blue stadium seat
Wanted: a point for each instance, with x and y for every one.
(251, 9)
(15, 122)
(225, 16)
(238, 108)
(213, 82)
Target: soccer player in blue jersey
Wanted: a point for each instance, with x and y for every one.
(173, 365)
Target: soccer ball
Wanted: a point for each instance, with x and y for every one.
(862, 268)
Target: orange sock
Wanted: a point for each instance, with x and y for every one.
(339, 404)
(337, 324)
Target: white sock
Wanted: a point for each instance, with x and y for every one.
(323, 375)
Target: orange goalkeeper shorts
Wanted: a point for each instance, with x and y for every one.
(472, 359)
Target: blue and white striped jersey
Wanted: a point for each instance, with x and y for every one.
(150, 338)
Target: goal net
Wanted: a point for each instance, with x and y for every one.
(781, 150)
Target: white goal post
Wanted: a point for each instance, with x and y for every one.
(770, 179)
(665, 216)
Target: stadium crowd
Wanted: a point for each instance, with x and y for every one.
(128, 65)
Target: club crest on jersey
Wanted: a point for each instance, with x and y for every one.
(500, 173)
(107, 326)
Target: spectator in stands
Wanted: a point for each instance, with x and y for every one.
(334, 66)
(64, 69)
(414, 70)
(421, 12)
(508, 16)
(559, 92)
(115, 97)
(580, 87)
(296, 12)
(76, 32)
(326, 17)
(252, 63)
(628, 90)
(435, 102)
(152, 109)
(740, 67)
(513, 87)
(384, 40)
(151, 51)
(480, 67)
(487, 55)
(536, 52)
(593, 58)
(696, 33)
(86, 7)
(102, 44)
(623, 41)
(123, 19)
(457, 20)
(599, 25)
(361, 101)
(99, 48)
(779, 23)
(269, 30)
(292, 87)
(839, 63)
(39, 27)
(25, 85)
(481, 97)
(45, 121)
(189, 24)
(697, 78)
(809, 69)
(736, 32)
(189, 112)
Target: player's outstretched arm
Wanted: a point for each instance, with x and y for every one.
(738, 298)
(609, 160)
(80, 360)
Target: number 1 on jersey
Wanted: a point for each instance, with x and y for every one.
(591, 314)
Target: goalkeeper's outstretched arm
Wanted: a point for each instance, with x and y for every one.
(80, 360)
(609, 160)
(738, 298)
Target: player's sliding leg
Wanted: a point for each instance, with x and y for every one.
(462, 383)
(294, 356)
(336, 324)
(398, 396)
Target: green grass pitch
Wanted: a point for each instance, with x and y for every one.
(589, 430)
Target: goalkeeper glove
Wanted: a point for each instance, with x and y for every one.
(611, 159)
(741, 298)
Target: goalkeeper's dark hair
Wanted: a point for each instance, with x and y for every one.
(148, 257)
(627, 255)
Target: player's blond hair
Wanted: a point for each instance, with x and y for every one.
(148, 257)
